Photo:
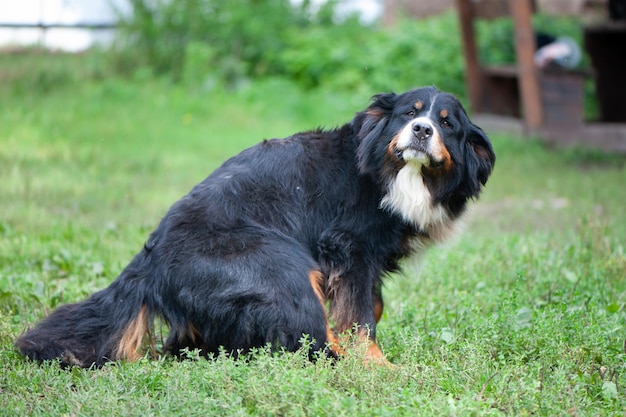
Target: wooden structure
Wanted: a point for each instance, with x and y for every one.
(546, 103)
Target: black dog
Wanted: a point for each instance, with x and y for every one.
(252, 254)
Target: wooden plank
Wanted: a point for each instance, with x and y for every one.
(509, 71)
(470, 52)
(608, 137)
(525, 47)
(490, 9)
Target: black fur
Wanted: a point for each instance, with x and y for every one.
(230, 264)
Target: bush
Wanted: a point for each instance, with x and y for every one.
(204, 42)
(235, 34)
(350, 56)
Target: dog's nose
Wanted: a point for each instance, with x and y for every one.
(422, 131)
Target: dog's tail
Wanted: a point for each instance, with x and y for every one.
(108, 326)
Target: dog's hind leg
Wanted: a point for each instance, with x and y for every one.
(260, 295)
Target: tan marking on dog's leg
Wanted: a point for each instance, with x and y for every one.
(193, 333)
(317, 282)
(378, 309)
(373, 354)
(128, 347)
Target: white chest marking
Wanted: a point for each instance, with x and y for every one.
(409, 197)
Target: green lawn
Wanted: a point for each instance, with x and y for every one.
(524, 314)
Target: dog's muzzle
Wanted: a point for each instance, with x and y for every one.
(422, 134)
(415, 141)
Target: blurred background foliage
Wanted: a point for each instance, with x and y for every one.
(212, 41)
(207, 44)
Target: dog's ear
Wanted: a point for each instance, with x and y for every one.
(369, 125)
(480, 157)
(365, 121)
(383, 103)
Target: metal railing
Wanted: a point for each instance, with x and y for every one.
(45, 26)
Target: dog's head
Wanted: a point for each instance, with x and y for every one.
(429, 132)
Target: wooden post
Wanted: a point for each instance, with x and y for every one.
(525, 46)
(472, 67)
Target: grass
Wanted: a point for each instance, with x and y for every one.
(524, 314)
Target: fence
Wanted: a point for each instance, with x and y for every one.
(65, 36)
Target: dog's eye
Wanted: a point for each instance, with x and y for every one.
(445, 123)
(410, 113)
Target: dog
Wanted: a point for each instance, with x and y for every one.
(288, 240)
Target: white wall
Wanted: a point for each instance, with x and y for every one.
(57, 11)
